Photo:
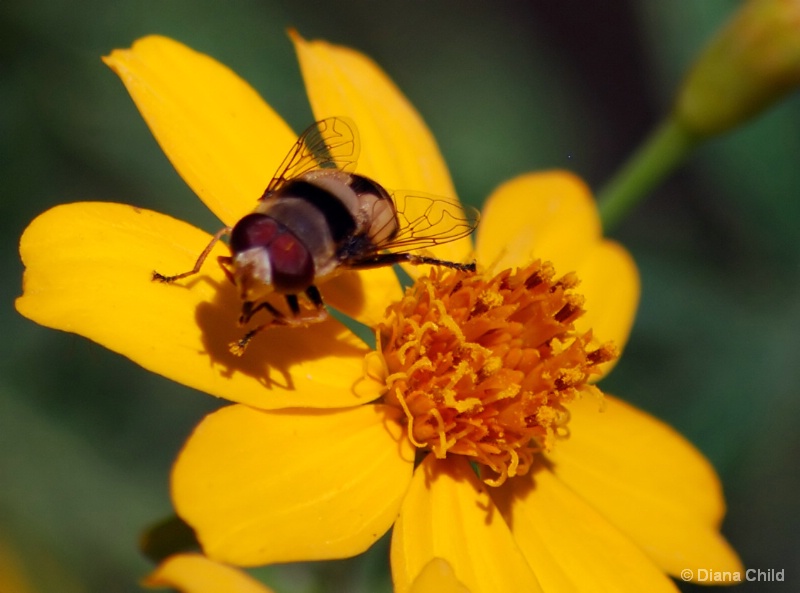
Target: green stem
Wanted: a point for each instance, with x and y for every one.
(665, 148)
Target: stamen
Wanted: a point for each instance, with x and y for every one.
(483, 366)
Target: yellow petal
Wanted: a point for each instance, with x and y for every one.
(88, 271)
(222, 138)
(397, 148)
(610, 283)
(571, 547)
(194, 573)
(649, 482)
(261, 487)
(549, 216)
(448, 514)
(437, 577)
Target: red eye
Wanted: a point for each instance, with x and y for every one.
(292, 264)
(254, 230)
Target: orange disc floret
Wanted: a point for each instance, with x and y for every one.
(482, 366)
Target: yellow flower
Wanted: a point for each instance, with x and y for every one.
(496, 370)
(194, 573)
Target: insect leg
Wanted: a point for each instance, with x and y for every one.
(226, 262)
(312, 292)
(387, 259)
(157, 276)
(294, 304)
(278, 318)
(239, 346)
(321, 314)
(248, 310)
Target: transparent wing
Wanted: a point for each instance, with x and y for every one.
(427, 221)
(331, 143)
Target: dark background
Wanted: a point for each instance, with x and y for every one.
(87, 438)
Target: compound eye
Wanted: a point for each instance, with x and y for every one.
(254, 230)
(292, 264)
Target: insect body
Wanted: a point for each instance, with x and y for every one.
(316, 218)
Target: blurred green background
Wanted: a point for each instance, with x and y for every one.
(87, 438)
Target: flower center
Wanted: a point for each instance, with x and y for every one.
(483, 366)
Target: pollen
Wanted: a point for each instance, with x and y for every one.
(483, 366)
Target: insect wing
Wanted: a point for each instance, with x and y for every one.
(331, 143)
(427, 221)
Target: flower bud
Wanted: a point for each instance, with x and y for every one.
(753, 61)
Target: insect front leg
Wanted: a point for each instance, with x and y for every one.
(226, 263)
(249, 308)
(159, 277)
(297, 319)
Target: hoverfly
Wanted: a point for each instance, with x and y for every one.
(317, 218)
